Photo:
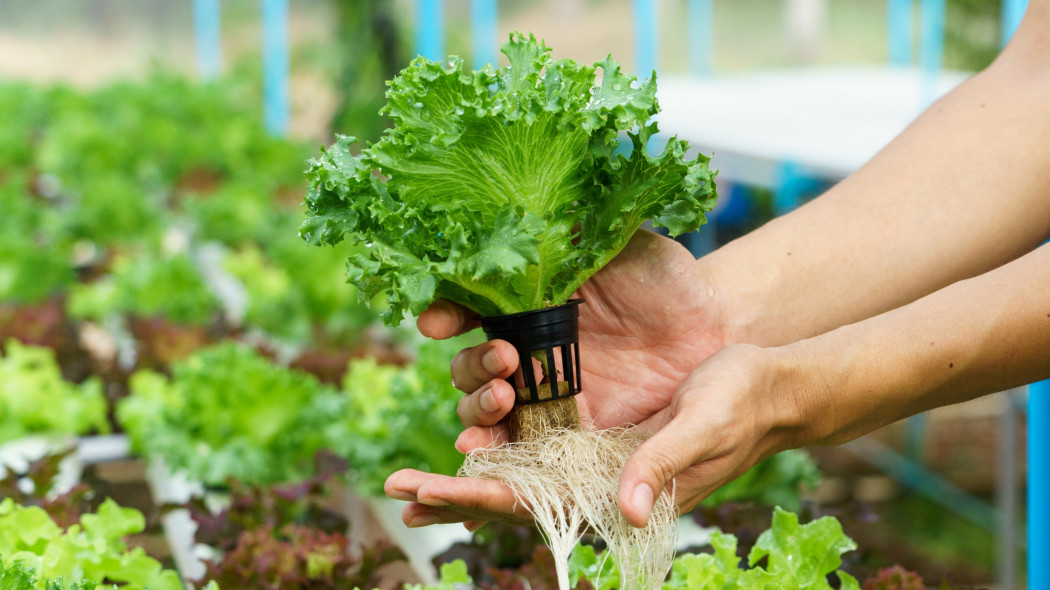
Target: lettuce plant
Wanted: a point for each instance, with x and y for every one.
(35, 399)
(92, 549)
(19, 576)
(148, 285)
(227, 411)
(399, 417)
(502, 190)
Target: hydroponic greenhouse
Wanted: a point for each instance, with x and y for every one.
(562, 294)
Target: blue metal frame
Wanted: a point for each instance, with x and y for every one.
(931, 47)
(275, 65)
(646, 35)
(430, 29)
(1012, 11)
(900, 15)
(1039, 485)
(208, 37)
(701, 17)
(484, 32)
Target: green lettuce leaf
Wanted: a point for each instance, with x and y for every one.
(787, 555)
(228, 412)
(776, 481)
(501, 189)
(35, 399)
(34, 548)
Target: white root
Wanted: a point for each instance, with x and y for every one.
(568, 480)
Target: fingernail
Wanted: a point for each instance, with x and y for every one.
(401, 495)
(433, 502)
(472, 526)
(642, 499)
(488, 402)
(423, 520)
(492, 363)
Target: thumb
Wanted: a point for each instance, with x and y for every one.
(653, 467)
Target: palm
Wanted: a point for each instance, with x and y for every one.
(644, 327)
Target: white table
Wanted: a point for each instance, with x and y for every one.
(826, 120)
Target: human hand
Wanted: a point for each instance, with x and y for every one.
(652, 315)
(740, 406)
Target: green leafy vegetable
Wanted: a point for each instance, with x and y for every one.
(91, 550)
(795, 556)
(148, 285)
(501, 189)
(777, 481)
(18, 576)
(228, 412)
(453, 577)
(296, 297)
(34, 262)
(399, 417)
(35, 399)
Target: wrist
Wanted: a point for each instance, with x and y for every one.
(802, 386)
(743, 293)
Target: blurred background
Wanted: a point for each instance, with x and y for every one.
(151, 154)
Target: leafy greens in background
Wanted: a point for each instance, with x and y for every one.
(34, 262)
(18, 576)
(148, 285)
(787, 555)
(35, 399)
(295, 556)
(91, 550)
(229, 412)
(501, 189)
(296, 297)
(776, 481)
(402, 417)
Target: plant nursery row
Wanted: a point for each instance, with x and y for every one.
(158, 309)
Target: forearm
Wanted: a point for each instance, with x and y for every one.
(962, 190)
(977, 336)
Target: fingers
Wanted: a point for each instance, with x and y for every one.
(478, 437)
(474, 367)
(652, 468)
(444, 319)
(486, 406)
(481, 499)
(441, 499)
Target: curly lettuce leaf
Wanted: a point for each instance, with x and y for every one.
(92, 550)
(397, 417)
(787, 555)
(36, 399)
(227, 411)
(501, 189)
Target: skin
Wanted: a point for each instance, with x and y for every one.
(916, 282)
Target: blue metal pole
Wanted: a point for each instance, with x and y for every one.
(1012, 12)
(701, 19)
(275, 65)
(931, 47)
(207, 33)
(899, 18)
(645, 37)
(430, 29)
(1039, 485)
(484, 32)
